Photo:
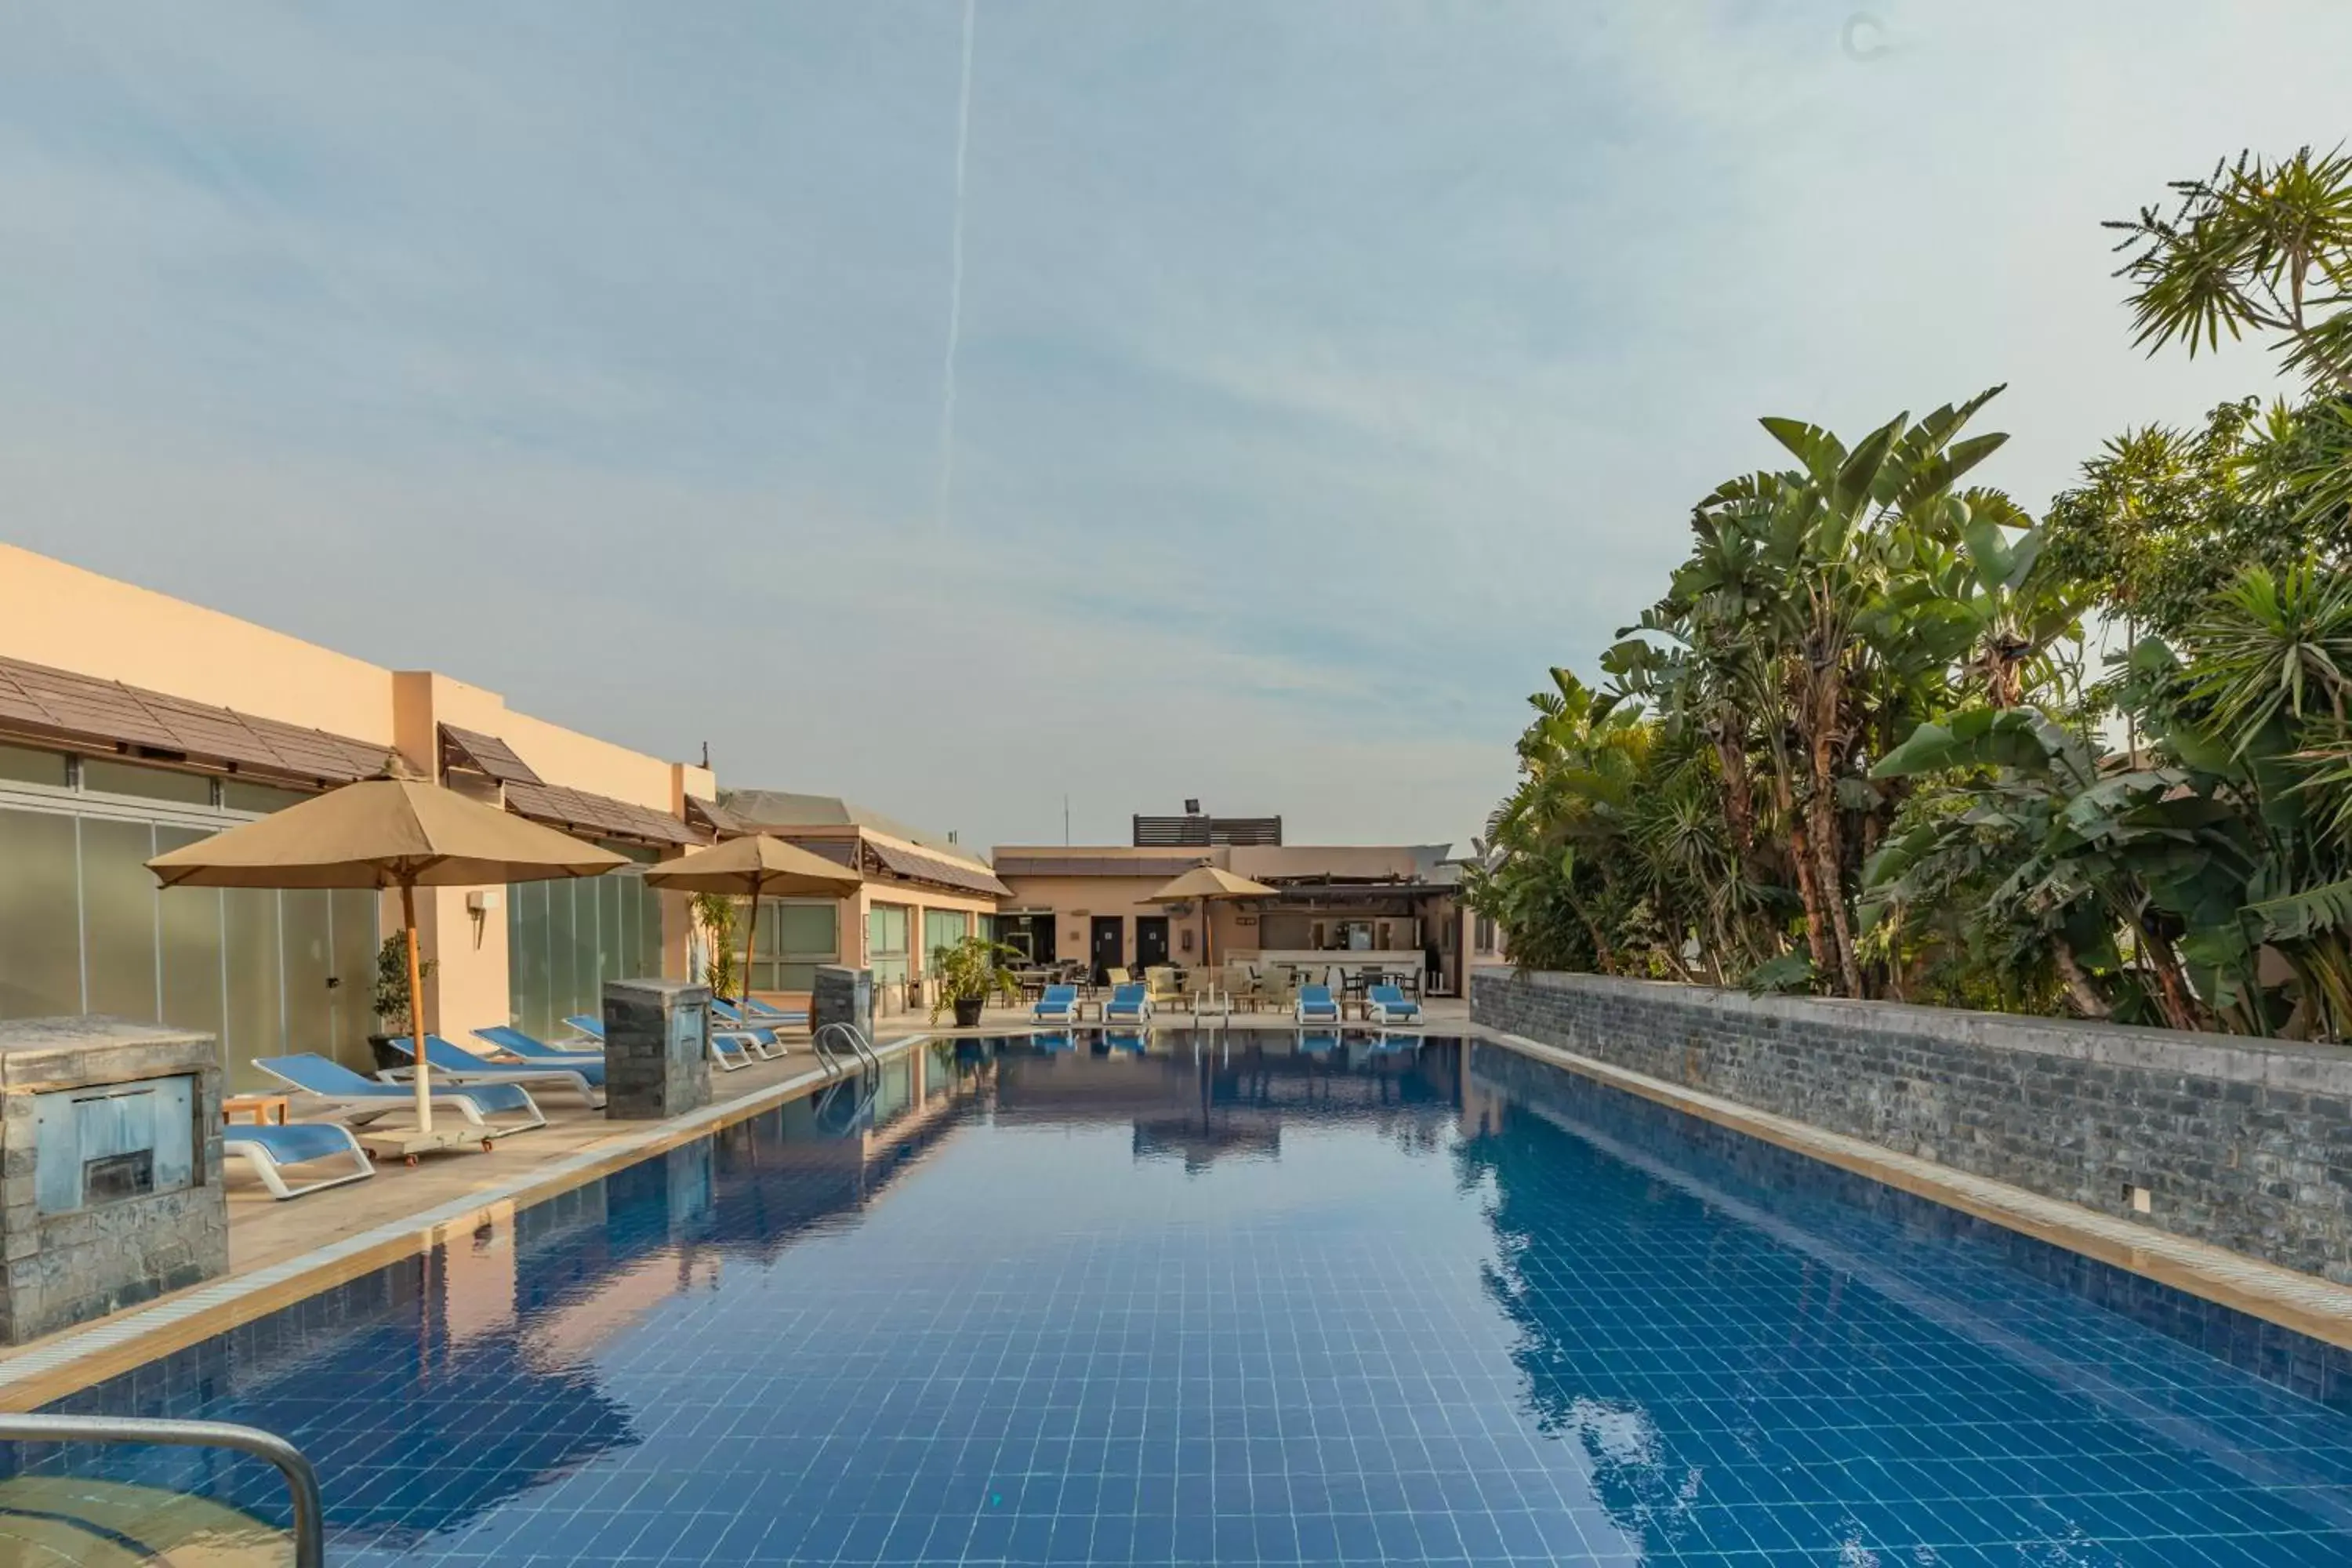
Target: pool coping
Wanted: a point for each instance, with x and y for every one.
(2306, 1304)
(80, 1358)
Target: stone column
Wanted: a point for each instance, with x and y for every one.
(842, 996)
(656, 1050)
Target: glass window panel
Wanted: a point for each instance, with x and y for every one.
(563, 961)
(613, 946)
(192, 945)
(650, 929)
(101, 776)
(943, 928)
(250, 956)
(117, 918)
(353, 912)
(586, 995)
(806, 931)
(530, 996)
(19, 765)
(309, 1011)
(239, 795)
(40, 917)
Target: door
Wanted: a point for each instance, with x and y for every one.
(1107, 949)
(1151, 940)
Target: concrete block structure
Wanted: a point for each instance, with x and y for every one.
(110, 1187)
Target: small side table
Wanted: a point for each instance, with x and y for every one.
(259, 1107)
(1087, 1002)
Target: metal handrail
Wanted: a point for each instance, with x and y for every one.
(859, 1046)
(302, 1480)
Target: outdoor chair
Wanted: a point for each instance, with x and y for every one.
(727, 1014)
(1159, 984)
(1314, 1006)
(732, 1050)
(514, 1042)
(769, 1016)
(1386, 1005)
(356, 1098)
(268, 1148)
(1128, 1005)
(453, 1063)
(1059, 1004)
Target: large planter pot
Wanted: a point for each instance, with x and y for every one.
(967, 1011)
(386, 1059)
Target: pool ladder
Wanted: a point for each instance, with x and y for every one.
(836, 1040)
(302, 1480)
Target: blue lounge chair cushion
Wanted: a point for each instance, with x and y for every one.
(591, 1027)
(292, 1143)
(447, 1056)
(1315, 1001)
(514, 1042)
(315, 1074)
(1125, 999)
(1388, 998)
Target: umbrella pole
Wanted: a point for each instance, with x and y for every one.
(416, 1007)
(750, 937)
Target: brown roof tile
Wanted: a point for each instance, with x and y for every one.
(597, 814)
(484, 754)
(916, 866)
(81, 710)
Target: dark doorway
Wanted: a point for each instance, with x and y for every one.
(1108, 947)
(1151, 940)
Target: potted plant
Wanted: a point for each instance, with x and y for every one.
(963, 976)
(392, 1010)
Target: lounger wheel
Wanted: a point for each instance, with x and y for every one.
(408, 1160)
(486, 1144)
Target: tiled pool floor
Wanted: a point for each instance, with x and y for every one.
(1092, 1305)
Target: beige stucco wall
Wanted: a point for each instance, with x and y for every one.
(57, 615)
(67, 618)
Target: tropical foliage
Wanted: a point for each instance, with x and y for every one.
(1856, 747)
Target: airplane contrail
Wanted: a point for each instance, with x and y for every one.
(955, 277)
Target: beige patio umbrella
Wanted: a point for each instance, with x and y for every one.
(385, 833)
(755, 867)
(1203, 883)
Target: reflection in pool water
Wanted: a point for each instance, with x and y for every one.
(1248, 1298)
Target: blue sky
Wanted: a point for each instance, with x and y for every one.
(1327, 368)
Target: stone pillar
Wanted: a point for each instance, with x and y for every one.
(110, 1147)
(656, 1050)
(842, 996)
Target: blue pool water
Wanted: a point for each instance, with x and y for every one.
(1086, 1303)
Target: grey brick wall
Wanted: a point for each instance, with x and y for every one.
(2244, 1143)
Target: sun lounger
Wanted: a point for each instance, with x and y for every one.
(724, 1014)
(1059, 1004)
(730, 1049)
(268, 1148)
(1386, 1005)
(1128, 1005)
(773, 1017)
(1316, 1006)
(361, 1100)
(514, 1042)
(454, 1064)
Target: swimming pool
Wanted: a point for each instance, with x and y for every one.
(1241, 1302)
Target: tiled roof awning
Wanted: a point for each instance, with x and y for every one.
(599, 816)
(840, 851)
(917, 867)
(715, 818)
(1161, 867)
(41, 703)
(484, 754)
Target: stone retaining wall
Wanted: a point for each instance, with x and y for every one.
(2244, 1143)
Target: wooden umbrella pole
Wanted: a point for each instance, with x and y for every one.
(416, 1008)
(751, 936)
